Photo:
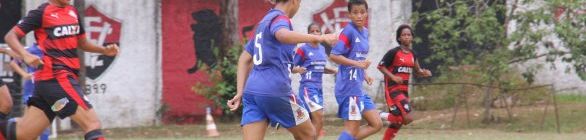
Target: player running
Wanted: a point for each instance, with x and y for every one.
(310, 61)
(58, 32)
(396, 66)
(350, 52)
(263, 83)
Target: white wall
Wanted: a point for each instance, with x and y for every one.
(560, 74)
(131, 98)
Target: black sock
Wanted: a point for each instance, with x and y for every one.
(94, 135)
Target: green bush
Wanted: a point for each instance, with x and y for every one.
(223, 81)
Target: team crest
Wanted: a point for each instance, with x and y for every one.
(101, 30)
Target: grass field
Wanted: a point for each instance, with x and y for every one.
(430, 125)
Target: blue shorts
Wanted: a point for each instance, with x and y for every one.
(313, 98)
(284, 111)
(352, 107)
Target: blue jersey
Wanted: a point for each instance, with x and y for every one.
(313, 59)
(272, 59)
(352, 44)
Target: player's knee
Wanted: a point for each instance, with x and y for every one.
(5, 105)
(91, 125)
(377, 125)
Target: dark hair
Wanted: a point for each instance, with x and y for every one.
(356, 2)
(312, 24)
(400, 29)
(277, 1)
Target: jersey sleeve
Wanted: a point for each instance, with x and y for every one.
(280, 22)
(299, 57)
(388, 58)
(30, 22)
(343, 45)
(249, 47)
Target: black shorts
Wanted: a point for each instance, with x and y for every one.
(59, 97)
(2, 83)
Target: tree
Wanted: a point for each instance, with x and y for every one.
(477, 32)
(229, 14)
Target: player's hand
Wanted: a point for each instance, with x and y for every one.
(363, 64)
(111, 50)
(27, 76)
(369, 80)
(397, 79)
(234, 103)
(328, 38)
(298, 69)
(425, 73)
(33, 61)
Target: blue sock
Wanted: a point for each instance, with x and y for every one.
(346, 136)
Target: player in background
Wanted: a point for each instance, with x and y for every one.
(350, 52)
(396, 66)
(263, 83)
(310, 62)
(58, 32)
(5, 97)
(27, 77)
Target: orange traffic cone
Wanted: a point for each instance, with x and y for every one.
(210, 125)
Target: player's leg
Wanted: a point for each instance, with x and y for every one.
(254, 131)
(317, 120)
(313, 99)
(68, 91)
(288, 112)
(303, 131)
(349, 111)
(254, 121)
(35, 119)
(5, 101)
(371, 115)
(399, 108)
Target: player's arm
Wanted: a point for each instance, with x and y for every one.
(369, 80)
(16, 68)
(242, 70)
(419, 72)
(85, 45)
(281, 29)
(386, 62)
(10, 53)
(12, 40)
(341, 48)
(298, 60)
(291, 37)
(329, 70)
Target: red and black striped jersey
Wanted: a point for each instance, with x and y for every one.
(57, 31)
(399, 63)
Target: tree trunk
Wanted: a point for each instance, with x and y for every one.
(229, 36)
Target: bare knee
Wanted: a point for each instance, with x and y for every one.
(306, 134)
(5, 105)
(92, 125)
(377, 125)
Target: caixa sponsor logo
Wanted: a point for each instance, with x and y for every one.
(63, 31)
